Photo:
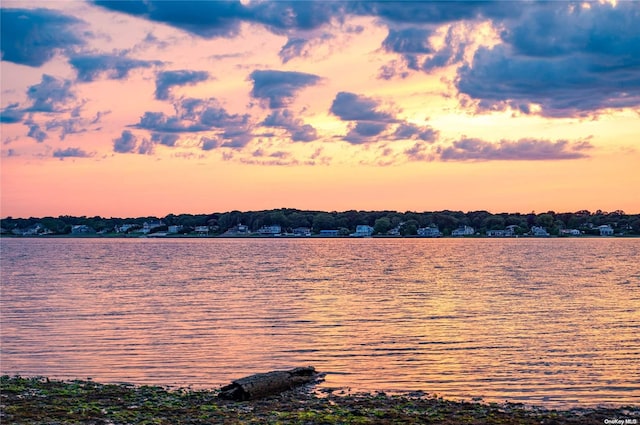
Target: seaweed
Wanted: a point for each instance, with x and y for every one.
(39, 400)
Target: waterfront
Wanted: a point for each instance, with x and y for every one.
(553, 322)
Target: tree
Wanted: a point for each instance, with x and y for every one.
(409, 228)
(382, 225)
(323, 221)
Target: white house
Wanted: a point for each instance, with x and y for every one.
(605, 230)
(302, 231)
(81, 228)
(176, 228)
(539, 231)
(201, 230)
(569, 232)
(429, 232)
(149, 226)
(124, 228)
(463, 231)
(362, 231)
(274, 229)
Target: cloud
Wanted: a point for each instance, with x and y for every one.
(35, 132)
(126, 143)
(420, 152)
(586, 60)
(51, 95)
(168, 79)
(11, 114)
(451, 52)
(298, 131)
(282, 16)
(352, 107)
(207, 19)
(67, 126)
(434, 12)
(407, 130)
(279, 87)
(209, 143)
(371, 124)
(33, 36)
(71, 153)
(114, 67)
(294, 47)
(166, 139)
(197, 115)
(146, 147)
(470, 149)
(365, 132)
(297, 46)
(410, 42)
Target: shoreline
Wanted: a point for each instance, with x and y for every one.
(40, 400)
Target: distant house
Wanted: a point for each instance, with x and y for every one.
(539, 231)
(508, 232)
(124, 228)
(362, 231)
(463, 231)
(605, 230)
(302, 231)
(395, 231)
(202, 230)
(329, 233)
(148, 226)
(569, 232)
(176, 228)
(272, 230)
(429, 232)
(80, 229)
(238, 230)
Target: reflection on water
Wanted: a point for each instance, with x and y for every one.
(552, 322)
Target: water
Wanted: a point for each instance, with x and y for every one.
(552, 322)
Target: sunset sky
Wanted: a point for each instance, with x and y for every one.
(151, 107)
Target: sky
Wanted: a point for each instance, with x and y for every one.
(151, 107)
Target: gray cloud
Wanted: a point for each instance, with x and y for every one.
(470, 149)
(279, 87)
(168, 79)
(146, 147)
(298, 131)
(421, 152)
(435, 12)
(206, 19)
(126, 143)
(197, 115)
(71, 153)
(51, 95)
(406, 131)
(114, 67)
(166, 139)
(586, 59)
(294, 47)
(410, 42)
(352, 107)
(209, 143)
(33, 36)
(365, 132)
(11, 114)
(35, 132)
(67, 126)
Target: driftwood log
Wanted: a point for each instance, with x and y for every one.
(266, 384)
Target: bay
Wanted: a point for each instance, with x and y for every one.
(552, 322)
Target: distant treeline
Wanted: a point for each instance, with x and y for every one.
(345, 222)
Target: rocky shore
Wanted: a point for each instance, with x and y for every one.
(44, 401)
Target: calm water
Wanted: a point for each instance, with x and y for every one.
(552, 322)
